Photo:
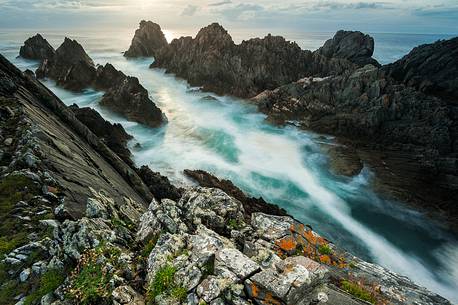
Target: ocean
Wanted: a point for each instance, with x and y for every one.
(286, 166)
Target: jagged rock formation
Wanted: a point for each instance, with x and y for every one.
(352, 45)
(430, 68)
(79, 231)
(212, 60)
(73, 69)
(36, 47)
(148, 39)
(113, 135)
(70, 67)
(159, 185)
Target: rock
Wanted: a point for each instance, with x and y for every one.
(114, 135)
(271, 227)
(212, 208)
(352, 45)
(127, 295)
(70, 67)
(8, 141)
(159, 185)
(250, 204)
(24, 275)
(237, 262)
(430, 68)
(37, 48)
(131, 100)
(148, 39)
(212, 60)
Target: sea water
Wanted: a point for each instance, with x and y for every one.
(229, 138)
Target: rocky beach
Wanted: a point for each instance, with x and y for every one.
(296, 148)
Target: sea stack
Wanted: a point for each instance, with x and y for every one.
(148, 39)
(37, 48)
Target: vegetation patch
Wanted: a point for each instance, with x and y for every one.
(90, 281)
(49, 282)
(358, 291)
(235, 224)
(149, 246)
(325, 249)
(164, 284)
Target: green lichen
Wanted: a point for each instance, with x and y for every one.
(357, 291)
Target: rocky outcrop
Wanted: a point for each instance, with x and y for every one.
(113, 135)
(159, 185)
(212, 60)
(250, 204)
(430, 68)
(70, 67)
(80, 232)
(352, 45)
(73, 69)
(37, 48)
(148, 39)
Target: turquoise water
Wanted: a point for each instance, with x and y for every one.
(284, 165)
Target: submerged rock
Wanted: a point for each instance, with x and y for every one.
(37, 48)
(148, 39)
(352, 45)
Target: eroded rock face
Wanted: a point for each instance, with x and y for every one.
(37, 48)
(430, 68)
(148, 39)
(214, 61)
(70, 67)
(159, 185)
(352, 45)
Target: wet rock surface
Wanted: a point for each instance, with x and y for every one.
(212, 60)
(148, 39)
(37, 48)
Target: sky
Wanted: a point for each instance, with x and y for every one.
(392, 16)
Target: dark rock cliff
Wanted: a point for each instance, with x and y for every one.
(212, 60)
(37, 48)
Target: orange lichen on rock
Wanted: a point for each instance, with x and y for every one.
(287, 243)
(254, 290)
(270, 300)
(325, 259)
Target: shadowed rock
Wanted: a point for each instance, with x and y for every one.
(70, 67)
(212, 60)
(352, 45)
(430, 68)
(113, 135)
(159, 185)
(37, 48)
(148, 39)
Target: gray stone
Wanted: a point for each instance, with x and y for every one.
(24, 275)
(237, 262)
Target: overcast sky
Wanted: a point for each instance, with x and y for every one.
(412, 16)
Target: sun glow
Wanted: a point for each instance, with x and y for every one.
(169, 35)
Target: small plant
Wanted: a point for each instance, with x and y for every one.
(149, 246)
(234, 224)
(325, 249)
(164, 283)
(49, 282)
(357, 291)
(209, 267)
(90, 281)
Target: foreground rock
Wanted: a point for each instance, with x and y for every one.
(352, 45)
(212, 60)
(37, 48)
(148, 39)
(250, 204)
(73, 69)
(430, 68)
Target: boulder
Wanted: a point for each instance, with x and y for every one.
(148, 39)
(159, 185)
(37, 48)
(70, 67)
(352, 45)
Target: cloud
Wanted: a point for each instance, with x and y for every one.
(189, 10)
(437, 11)
(220, 3)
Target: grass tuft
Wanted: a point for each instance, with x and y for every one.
(357, 291)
